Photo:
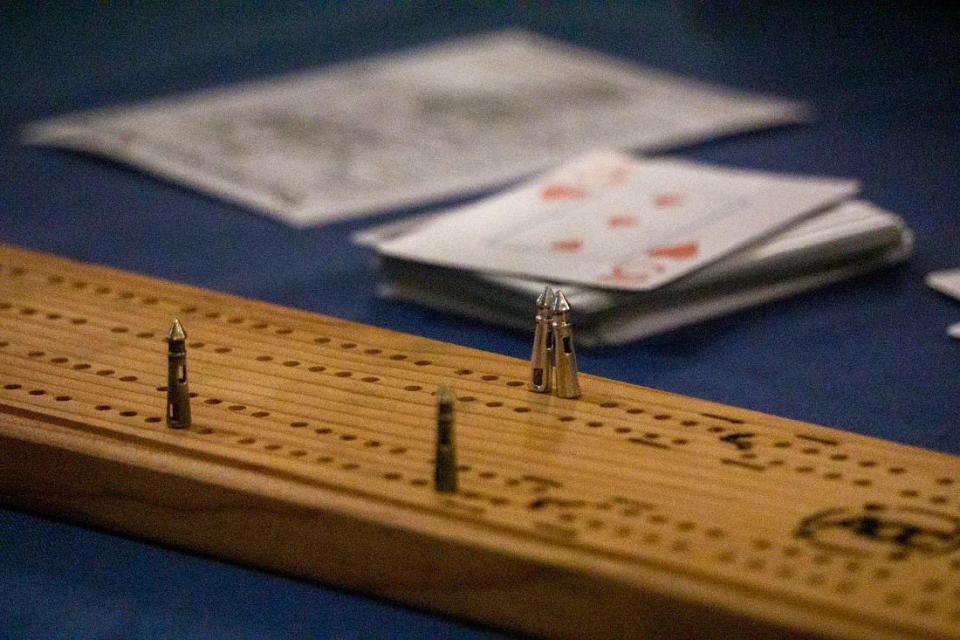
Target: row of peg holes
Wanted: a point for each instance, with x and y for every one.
(412, 388)
(649, 436)
(273, 447)
(126, 295)
(781, 444)
(814, 578)
(82, 285)
(808, 450)
(650, 538)
(907, 493)
(655, 519)
(349, 345)
(150, 300)
(802, 469)
(246, 441)
(127, 413)
(157, 419)
(147, 300)
(283, 331)
(842, 457)
(942, 481)
(234, 407)
(487, 377)
(295, 424)
(103, 290)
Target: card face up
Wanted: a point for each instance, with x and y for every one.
(411, 128)
(609, 220)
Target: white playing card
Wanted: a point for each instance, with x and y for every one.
(946, 282)
(609, 220)
(444, 120)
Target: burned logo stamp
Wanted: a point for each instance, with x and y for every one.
(875, 529)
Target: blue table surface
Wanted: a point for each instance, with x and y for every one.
(869, 356)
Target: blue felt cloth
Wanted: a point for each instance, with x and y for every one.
(869, 356)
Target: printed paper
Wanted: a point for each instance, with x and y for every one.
(447, 120)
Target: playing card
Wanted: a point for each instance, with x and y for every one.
(445, 120)
(946, 282)
(609, 220)
(852, 228)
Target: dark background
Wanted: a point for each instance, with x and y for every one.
(870, 355)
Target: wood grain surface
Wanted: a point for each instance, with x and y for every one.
(628, 512)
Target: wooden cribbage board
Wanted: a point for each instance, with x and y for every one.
(629, 512)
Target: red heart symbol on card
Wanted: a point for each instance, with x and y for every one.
(562, 192)
(569, 245)
(622, 221)
(682, 251)
(667, 199)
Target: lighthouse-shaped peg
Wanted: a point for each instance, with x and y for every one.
(541, 360)
(565, 364)
(178, 396)
(445, 474)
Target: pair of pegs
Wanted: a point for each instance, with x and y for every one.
(178, 409)
(553, 364)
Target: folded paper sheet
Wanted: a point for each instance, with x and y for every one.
(408, 129)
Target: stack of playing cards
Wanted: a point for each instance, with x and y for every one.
(639, 246)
